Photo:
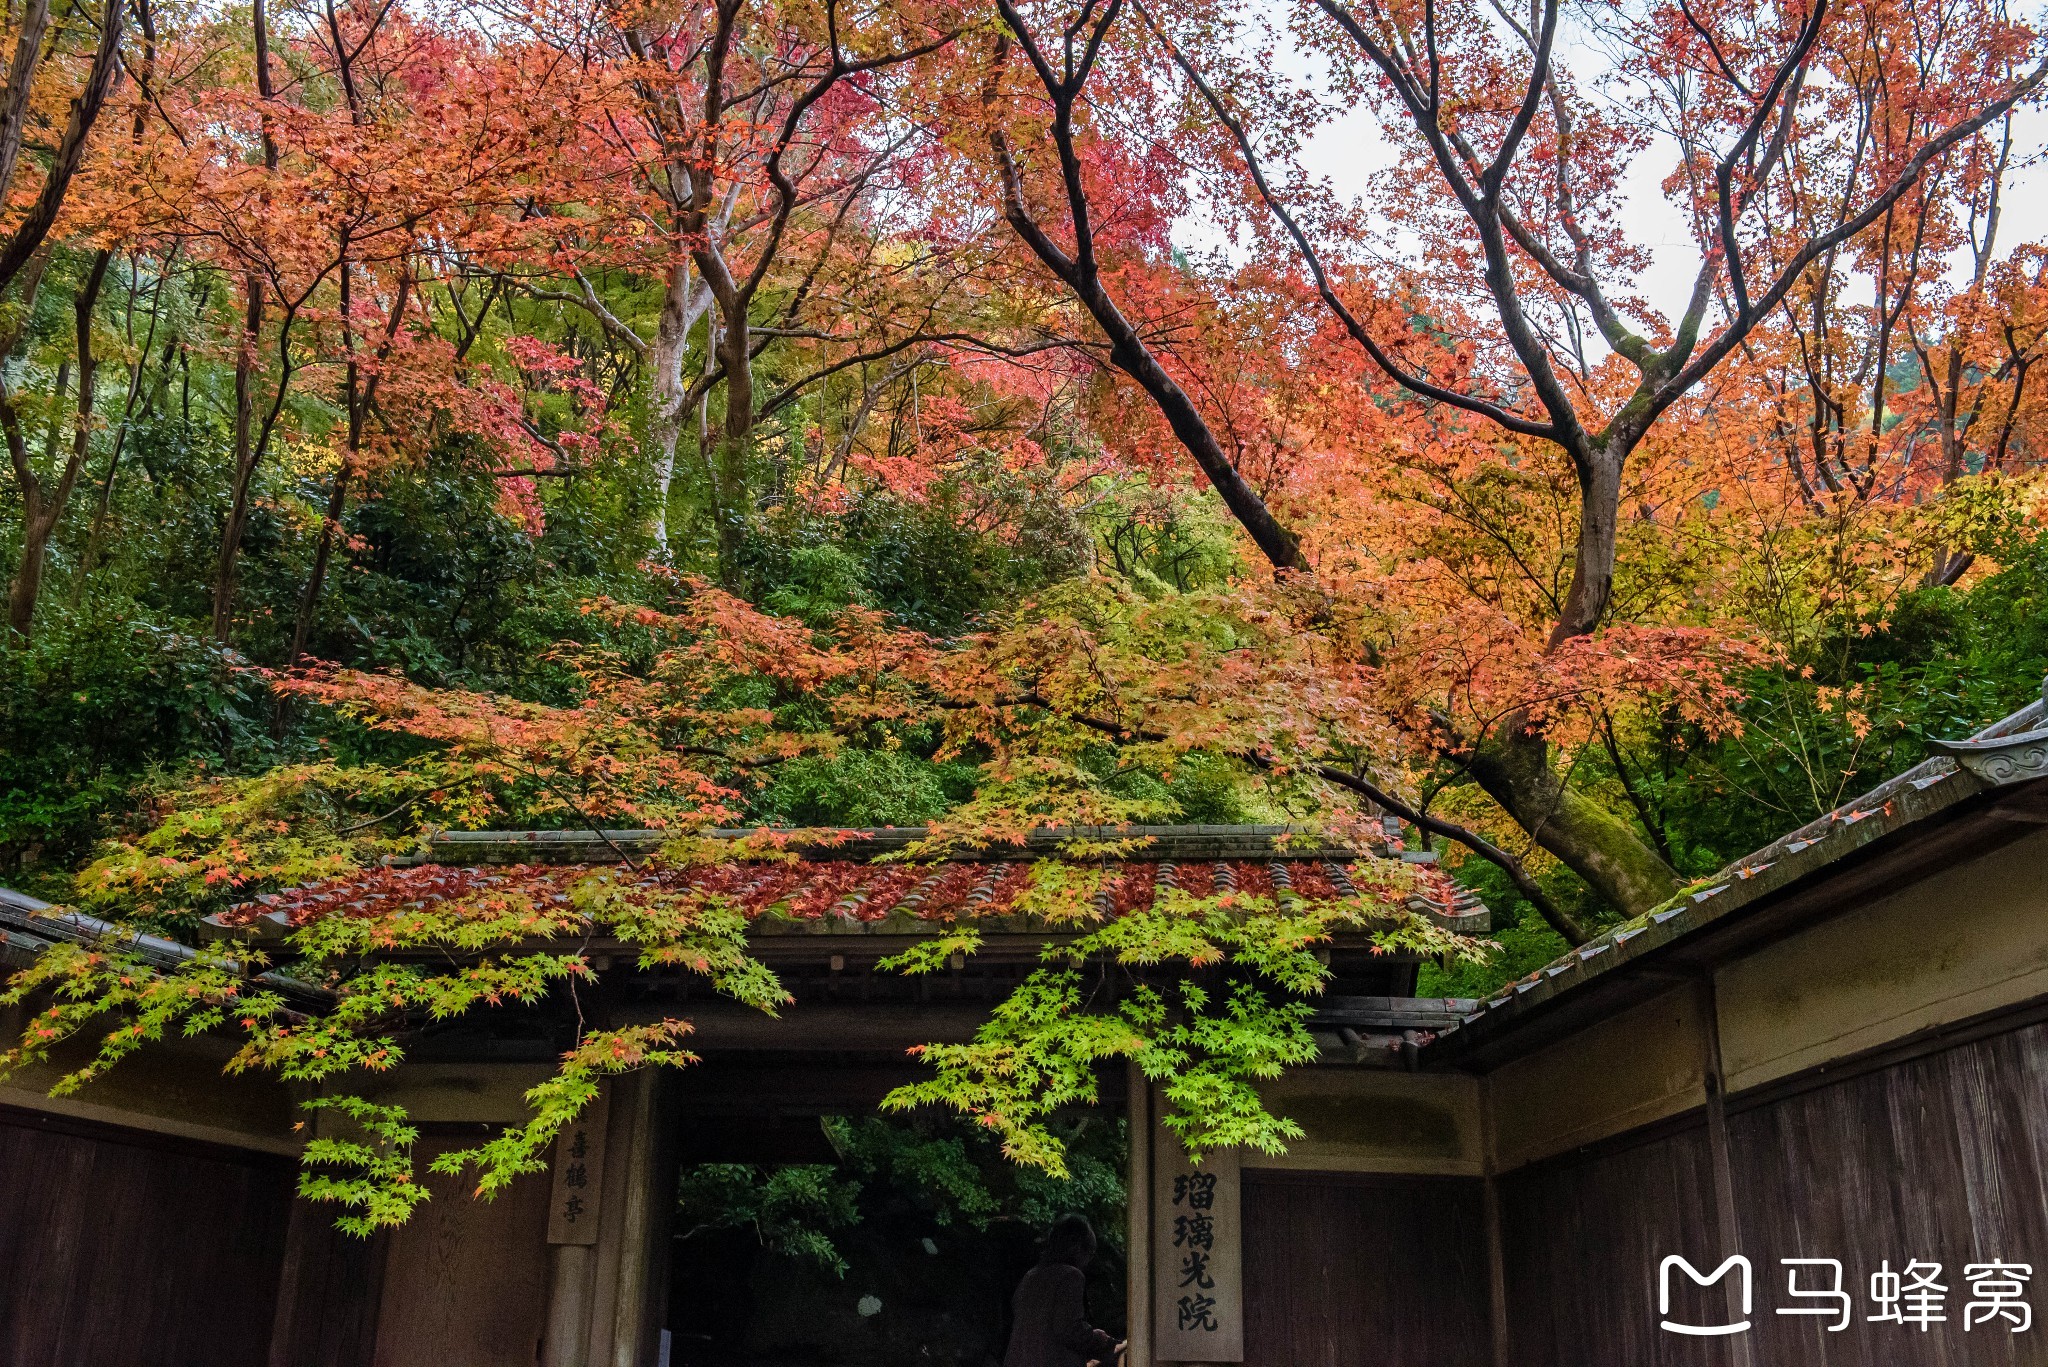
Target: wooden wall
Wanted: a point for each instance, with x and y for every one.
(464, 1282)
(125, 1249)
(1937, 1156)
(1354, 1270)
(120, 1250)
(328, 1293)
(1583, 1240)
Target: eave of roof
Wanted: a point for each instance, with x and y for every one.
(1970, 797)
(29, 925)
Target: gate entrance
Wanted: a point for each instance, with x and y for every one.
(867, 1241)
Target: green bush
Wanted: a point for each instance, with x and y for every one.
(95, 700)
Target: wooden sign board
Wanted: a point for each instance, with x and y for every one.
(1197, 1255)
(579, 1174)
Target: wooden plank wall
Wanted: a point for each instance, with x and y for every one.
(329, 1292)
(1582, 1242)
(465, 1281)
(121, 1250)
(1359, 1270)
(1941, 1157)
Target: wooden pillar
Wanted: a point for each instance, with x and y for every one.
(1197, 1290)
(1496, 1246)
(605, 1292)
(572, 1272)
(1138, 1223)
(628, 1246)
(576, 1218)
(1726, 1226)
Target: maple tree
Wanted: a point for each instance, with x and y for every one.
(754, 141)
(444, 360)
(1516, 192)
(338, 203)
(403, 143)
(44, 76)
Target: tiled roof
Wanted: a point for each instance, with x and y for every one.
(2011, 751)
(1144, 844)
(833, 890)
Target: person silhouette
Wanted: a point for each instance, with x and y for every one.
(1050, 1321)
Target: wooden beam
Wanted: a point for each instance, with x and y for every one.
(721, 1087)
(1727, 1231)
(891, 1028)
(1501, 1332)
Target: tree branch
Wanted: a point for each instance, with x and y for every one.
(1559, 919)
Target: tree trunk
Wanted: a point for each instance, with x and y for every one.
(64, 159)
(684, 304)
(1593, 557)
(323, 552)
(728, 464)
(1513, 763)
(245, 464)
(248, 451)
(360, 396)
(44, 508)
(1130, 355)
(1513, 767)
(729, 471)
(28, 576)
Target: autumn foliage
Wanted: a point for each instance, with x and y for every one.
(494, 392)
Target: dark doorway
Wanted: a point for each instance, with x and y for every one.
(877, 1242)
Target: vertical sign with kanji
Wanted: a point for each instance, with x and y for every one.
(579, 1174)
(1197, 1292)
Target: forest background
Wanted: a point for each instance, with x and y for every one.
(802, 414)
